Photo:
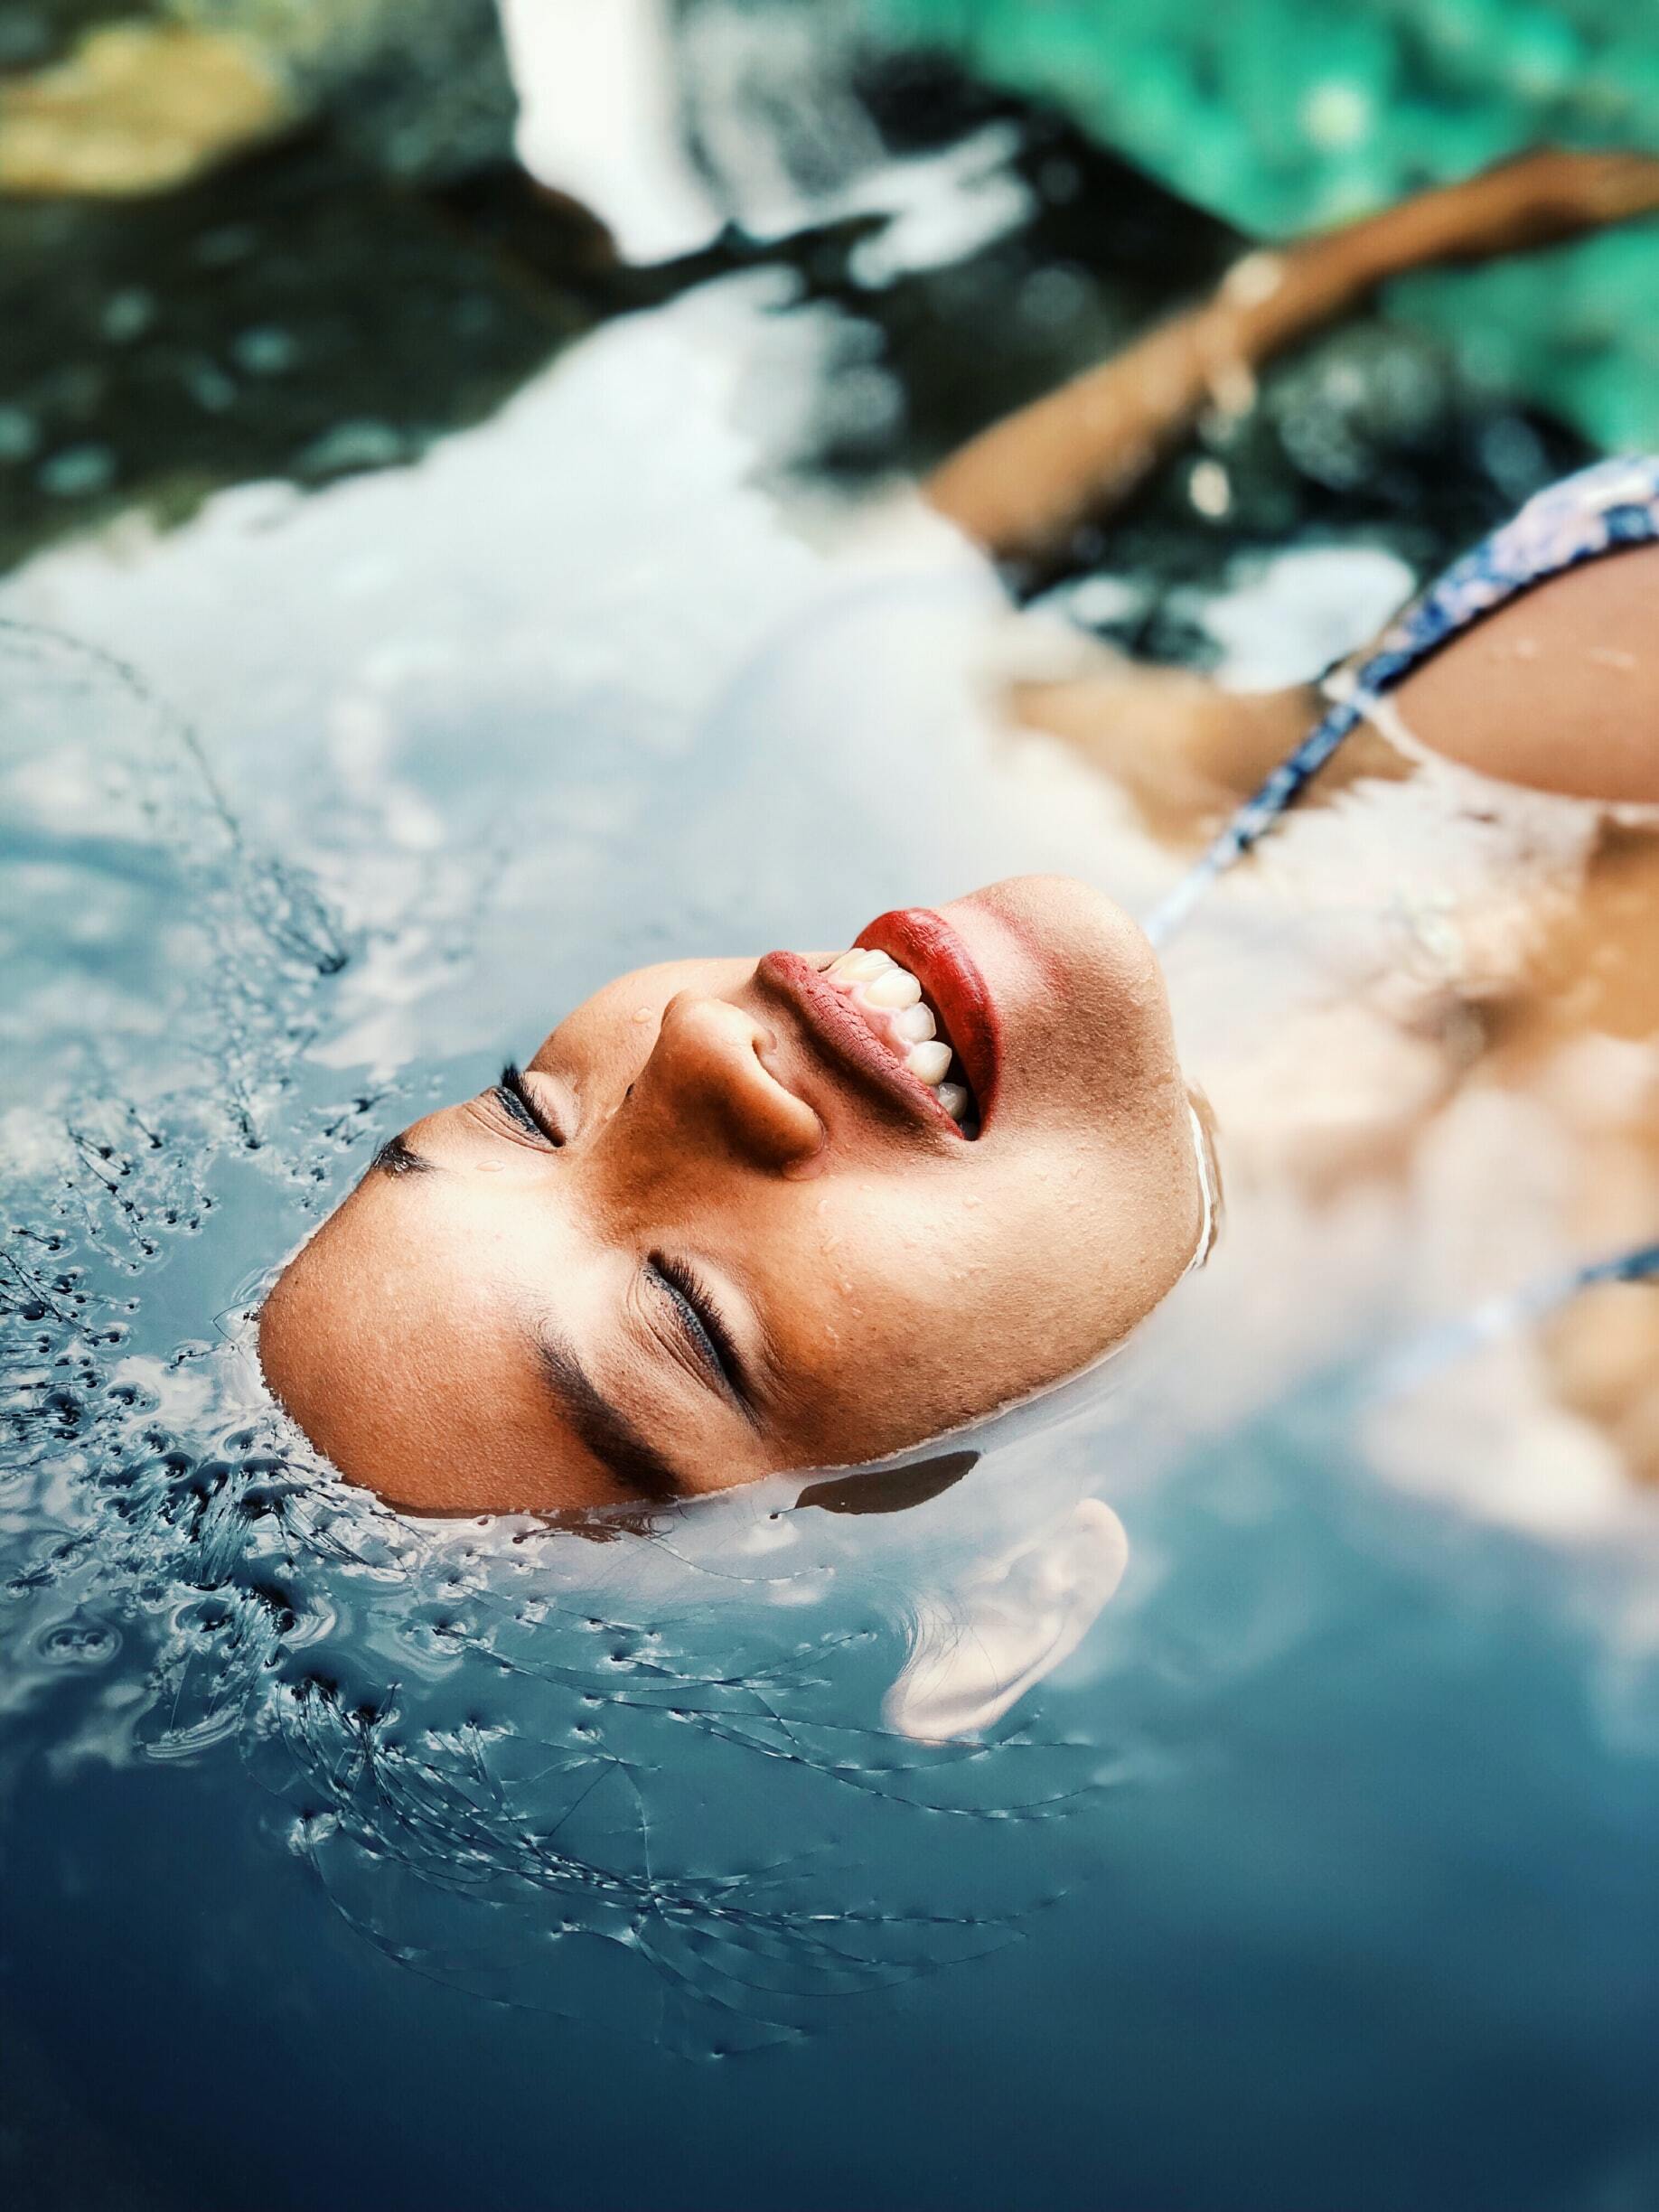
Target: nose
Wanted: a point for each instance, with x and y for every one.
(707, 1075)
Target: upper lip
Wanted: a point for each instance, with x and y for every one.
(920, 941)
(924, 942)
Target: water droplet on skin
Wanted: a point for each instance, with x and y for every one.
(1210, 490)
(1254, 279)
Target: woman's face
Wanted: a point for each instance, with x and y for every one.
(730, 1222)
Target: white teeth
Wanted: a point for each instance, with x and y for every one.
(859, 967)
(895, 987)
(875, 981)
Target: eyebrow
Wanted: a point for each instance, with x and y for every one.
(398, 1156)
(631, 1458)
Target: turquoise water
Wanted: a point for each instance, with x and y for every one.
(352, 1860)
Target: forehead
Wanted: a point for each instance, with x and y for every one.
(400, 1366)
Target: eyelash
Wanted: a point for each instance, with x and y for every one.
(699, 1308)
(697, 1302)
(519, 1104)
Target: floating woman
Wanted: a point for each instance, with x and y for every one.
(736, 1216)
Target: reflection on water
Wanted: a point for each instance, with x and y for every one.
(481, 1730)
(1317, 1796)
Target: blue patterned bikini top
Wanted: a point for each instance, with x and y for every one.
(1601, 509)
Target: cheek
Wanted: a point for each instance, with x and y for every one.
(911, 1312)
(1041, 1241)
(1044, 1255)
(890, 1269)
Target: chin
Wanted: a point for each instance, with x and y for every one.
(1084, 1009)
(1063, 921)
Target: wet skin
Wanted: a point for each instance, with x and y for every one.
(743, 1243)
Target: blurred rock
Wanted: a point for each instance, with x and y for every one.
(137, 107)
(136, 98)
(260, 324)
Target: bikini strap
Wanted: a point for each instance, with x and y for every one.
(1599, 511)
(1500, 1317)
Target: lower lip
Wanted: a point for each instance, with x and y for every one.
(924, 943)
(836, 1024)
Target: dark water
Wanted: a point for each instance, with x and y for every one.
(352, 1861)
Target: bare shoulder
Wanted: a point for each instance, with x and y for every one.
(1559, 689)
(1185, 750)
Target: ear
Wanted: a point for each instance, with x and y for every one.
(979, 1647)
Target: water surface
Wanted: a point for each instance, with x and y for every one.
(457, 1862)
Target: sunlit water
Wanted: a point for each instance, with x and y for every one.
(348, 1860)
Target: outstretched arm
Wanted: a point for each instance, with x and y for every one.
(1183, 747)
(1022, 486)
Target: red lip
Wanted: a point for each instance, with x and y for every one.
(925, 943)
(833, 1023)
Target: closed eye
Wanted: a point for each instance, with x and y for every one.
(520, 1103)
(704, 1328)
